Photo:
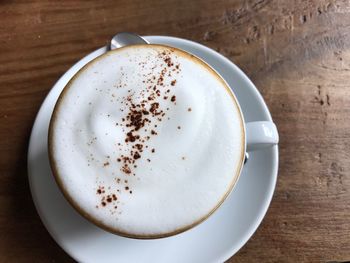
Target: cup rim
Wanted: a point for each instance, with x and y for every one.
(76, 205)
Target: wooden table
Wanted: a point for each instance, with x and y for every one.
(296, 52)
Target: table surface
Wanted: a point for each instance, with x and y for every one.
(296, 52)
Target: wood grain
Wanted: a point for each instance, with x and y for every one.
(296, 52)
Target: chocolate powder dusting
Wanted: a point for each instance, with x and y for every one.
(167, 60)
(154, 107)
(139, 146)
(126, 169)
(106, 199)
(143, 111)
(137, 156)
(100, 190)
(130, 137)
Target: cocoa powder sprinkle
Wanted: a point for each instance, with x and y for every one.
(142, 111)
(137, 156)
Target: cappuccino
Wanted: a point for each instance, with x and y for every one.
(146, 141)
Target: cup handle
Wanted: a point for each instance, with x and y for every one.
(261, 134)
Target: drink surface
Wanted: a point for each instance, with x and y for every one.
(146, 141)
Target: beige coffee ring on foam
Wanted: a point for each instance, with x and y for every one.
(120, 231)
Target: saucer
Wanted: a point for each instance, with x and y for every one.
(214, 240)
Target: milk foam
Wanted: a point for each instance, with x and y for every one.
(191, 138)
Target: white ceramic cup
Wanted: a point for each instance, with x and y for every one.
(258, 135)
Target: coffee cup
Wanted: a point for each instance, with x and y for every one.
(147, 141)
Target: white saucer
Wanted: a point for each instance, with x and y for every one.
(215, 240)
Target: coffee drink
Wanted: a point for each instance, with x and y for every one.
(146, 141)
